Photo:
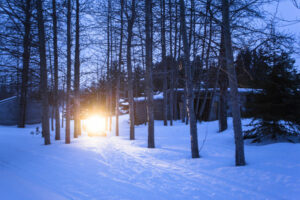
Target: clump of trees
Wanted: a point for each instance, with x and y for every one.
(275, 107)
(86, 52)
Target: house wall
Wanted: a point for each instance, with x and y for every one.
(10, 109)
(140, 113)
(141, 110)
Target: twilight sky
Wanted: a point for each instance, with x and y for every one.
(290, 15)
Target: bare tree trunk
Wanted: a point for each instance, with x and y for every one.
(191, 31)
(43, 71)
(68, 101)
(110, 74)
(163, 60)
(189, 85)
(171, 28)
(51, 90)
(176, 30)
(175, 70)
(223, 83)
(119, 70)
(56, 102)
(108, 86)
(236, 115)
(186, 116)
(171, 97)
(171, 94)
(26, 58)
(77, 121)
(212, 95)
(52, 117)
(106, 105)
(63, 104)
(149, 84)
(200, 113)
(183, 108)
(131, 21)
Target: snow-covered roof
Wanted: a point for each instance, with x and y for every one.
(156, 96)
(160, 95)
(8, 99)
(241, 90)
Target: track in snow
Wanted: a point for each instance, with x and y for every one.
(117, 168)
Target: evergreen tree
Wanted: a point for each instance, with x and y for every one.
(276, 108)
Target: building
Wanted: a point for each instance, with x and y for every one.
(10, 111)
(210, 110)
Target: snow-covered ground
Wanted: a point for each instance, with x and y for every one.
(117, 168)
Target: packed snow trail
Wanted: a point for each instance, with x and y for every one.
(117, 168)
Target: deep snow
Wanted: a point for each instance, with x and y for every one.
(117, 168)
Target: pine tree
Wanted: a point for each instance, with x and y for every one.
(276, 109)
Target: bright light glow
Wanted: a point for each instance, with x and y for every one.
(95, 124)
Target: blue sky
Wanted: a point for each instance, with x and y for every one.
(290, 15)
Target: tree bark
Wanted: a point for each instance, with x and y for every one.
(183, 115)
(131, 21)
(171, 94)
(119, 70)
(108, 86)
(43, 71)
(149, 84)
(26, 58)
(175, 67)
(56, 102)
(163, 60)
(68, 101)
(77, 121)
(223, 84)
(236, 115)
(189, 84)
(110, 71)
(63, 104)
(51, 95)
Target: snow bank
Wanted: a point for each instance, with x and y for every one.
(155, 96)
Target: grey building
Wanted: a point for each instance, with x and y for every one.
(10, 108)
(210, 110)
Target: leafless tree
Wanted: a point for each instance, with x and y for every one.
(43, 73)
(68, 99)
(189, 84)
(55, 51)
(26, 60)
(149, 84)
(77, 121)
(234, 96)
(119, 68)
(130, 21)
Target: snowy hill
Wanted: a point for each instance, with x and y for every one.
(117, 168)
